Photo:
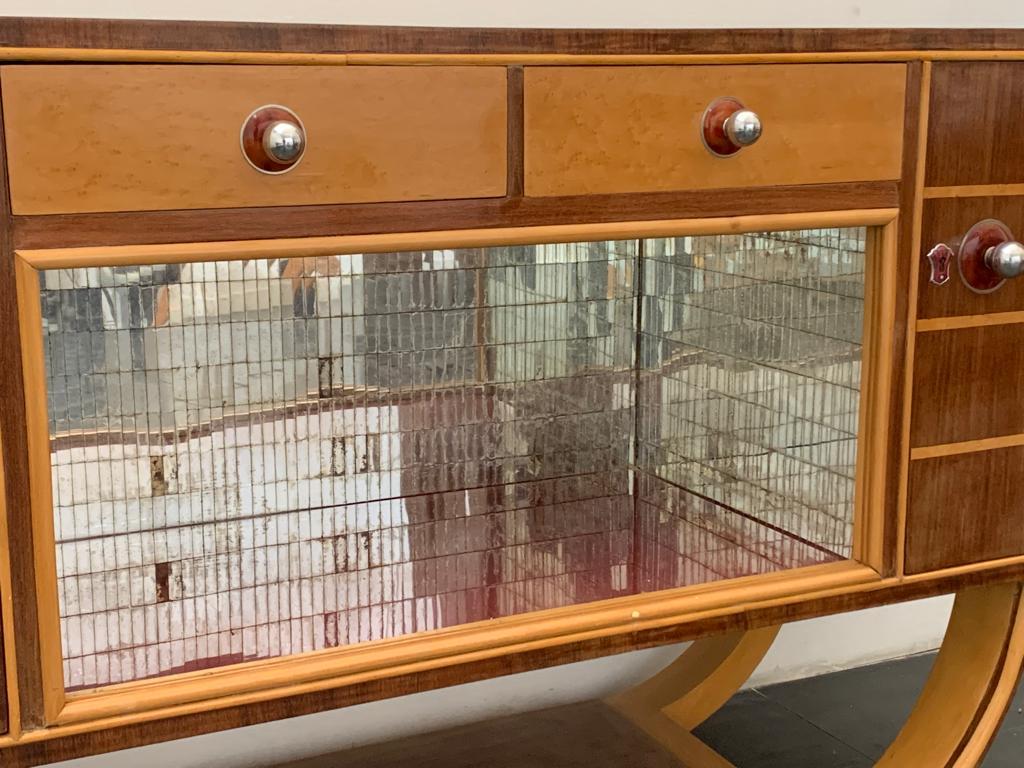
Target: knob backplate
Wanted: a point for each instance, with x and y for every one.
(975, 273)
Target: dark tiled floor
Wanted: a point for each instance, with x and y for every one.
(842, 720)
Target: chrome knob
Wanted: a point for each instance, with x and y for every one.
(743, 128)
(284, 141)
(1006, 259)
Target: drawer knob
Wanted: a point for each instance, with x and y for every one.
(989, 255)
(743, 128)
(273, 139)
(728, 127)
(1006, 259)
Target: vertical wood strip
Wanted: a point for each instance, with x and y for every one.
(28, 668)
(516, 173)
(10, 708)
(40, 494)
(873, 442)
(910, 253)
(5, 591)
(904, 321)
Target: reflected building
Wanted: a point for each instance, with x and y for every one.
(259, 458)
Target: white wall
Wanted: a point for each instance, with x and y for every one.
(554, 13)
(804, 648)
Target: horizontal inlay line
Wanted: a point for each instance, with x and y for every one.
(967, 446)
(293, 58)
(969, 321)
(974, 190)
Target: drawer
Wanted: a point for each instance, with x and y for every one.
(945, 220)
(637, 129)
(974, 123)
(117, 138)
(965, 508)
(967, 384)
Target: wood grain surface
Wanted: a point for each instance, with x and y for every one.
(71, 230)
(968, 384)
(125, 138)
(598, 130)
(316, 38)
(974, 134)
(965, 508)
(947, 220)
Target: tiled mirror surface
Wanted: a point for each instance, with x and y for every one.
(259, 458)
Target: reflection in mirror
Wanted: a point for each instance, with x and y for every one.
(258, 458)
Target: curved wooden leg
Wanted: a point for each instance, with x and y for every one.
(952, 725)
(971, 685)
(688, 691)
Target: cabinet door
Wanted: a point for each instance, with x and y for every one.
(965, 503)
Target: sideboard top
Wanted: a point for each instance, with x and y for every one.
(126, 34)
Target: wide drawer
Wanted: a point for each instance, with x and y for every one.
(116, 138)
(637, 129)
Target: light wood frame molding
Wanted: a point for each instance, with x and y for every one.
(133, 702)
(156, 56)
(9, 678)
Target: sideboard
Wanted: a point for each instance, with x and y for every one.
(341, 363)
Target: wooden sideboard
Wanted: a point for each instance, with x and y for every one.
(501, 367)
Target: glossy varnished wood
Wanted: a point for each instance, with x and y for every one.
(5, 614)
(965, 508)
(63, 230)
(958, 537)
(24, 613)
(970, 685)
(911, 180)
(514, 186)
(947, 220)
(974, 132)
(72, 743)
(114, 138)
(968, 384)
(600, 130)
(239, 36)
(3, 687)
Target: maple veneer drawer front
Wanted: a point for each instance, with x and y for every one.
(131, 137)
(638, 129)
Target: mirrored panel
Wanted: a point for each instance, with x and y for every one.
(258, 458)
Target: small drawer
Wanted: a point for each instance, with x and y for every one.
(139, 137)
(945, 220)
(592, 130)
(965, 508)
(967, 384)
(974, 124)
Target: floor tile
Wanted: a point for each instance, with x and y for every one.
(865, 707)
(753, 731)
